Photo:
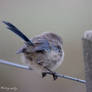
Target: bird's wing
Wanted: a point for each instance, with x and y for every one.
(39, 46)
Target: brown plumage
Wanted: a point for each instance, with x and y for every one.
(50, 57)
(44, 52)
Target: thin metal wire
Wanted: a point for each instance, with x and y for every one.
(29, 68)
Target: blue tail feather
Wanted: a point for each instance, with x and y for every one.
(17, 31)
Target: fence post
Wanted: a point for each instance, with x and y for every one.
(87, 52)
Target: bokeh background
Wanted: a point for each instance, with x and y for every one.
(68, 18)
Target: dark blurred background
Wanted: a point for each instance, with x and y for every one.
(68, 18)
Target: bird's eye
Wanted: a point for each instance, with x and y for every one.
(58, 47)
(40, 51)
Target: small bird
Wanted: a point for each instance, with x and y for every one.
(43, 52)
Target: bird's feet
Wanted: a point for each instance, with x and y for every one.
(51, 73)
(44, 74)
(54, 75)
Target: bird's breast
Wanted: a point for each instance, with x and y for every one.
(56, 59)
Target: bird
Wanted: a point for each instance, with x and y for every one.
(43, 52)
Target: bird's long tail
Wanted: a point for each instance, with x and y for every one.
(18, 32)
